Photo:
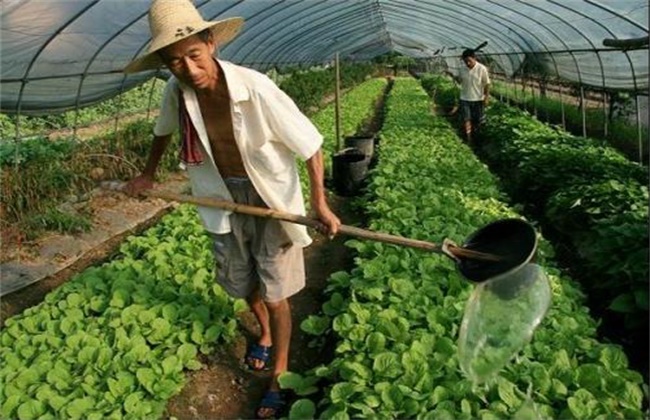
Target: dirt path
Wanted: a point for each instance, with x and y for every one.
(224, 389)
(30, 270)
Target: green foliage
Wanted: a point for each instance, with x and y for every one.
(53, 219)
(114, 341)
(595, 199)
(621, 134)
(139, 99)
(395, 316)
(442, 89)
(357, 107)
(38, 149)
(38, 174)
(309, 88)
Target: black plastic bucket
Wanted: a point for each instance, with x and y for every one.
(514, 241)
(364, 143)
(349, 171)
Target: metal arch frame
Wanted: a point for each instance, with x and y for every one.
(354, 44)
(247, 42)
(553, 35)
(618, 15)
(375, 44)
(524, 29)
(629, 60)
(602, 71)
(281, 45)
(289, 34)
(532, 34)
(289, 50)
(25, 79)
(270, 9)
(317, 41)
(385, 34)
(92, 60)
(486, 31)
(584, 132)
(636, 89)
(399, 18)
(454, 12)
(256, 47)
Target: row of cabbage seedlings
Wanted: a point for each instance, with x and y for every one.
(114, 341)
(395, 317)
(595, 199)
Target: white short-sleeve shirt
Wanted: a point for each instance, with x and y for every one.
(473, 82)
(270, 131)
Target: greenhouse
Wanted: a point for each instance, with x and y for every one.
(473, 174)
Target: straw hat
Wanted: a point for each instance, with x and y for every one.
(173, 20)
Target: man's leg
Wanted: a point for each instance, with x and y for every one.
(259, 309)
(477, 117)
(280, 315)
(466, 115)
(467, 128)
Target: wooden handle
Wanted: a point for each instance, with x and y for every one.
(316, 224)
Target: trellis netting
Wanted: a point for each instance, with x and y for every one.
(65, 54)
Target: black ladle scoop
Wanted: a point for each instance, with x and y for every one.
(513, 241)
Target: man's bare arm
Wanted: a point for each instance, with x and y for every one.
(145, 180)
(318, 199)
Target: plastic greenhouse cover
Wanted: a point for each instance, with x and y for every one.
(60, 54)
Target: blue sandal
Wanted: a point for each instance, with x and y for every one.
(274, 402)
(258, 352)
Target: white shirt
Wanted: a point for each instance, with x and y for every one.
(269, 130)
(473, 82)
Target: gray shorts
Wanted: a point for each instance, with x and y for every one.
(472, 111)
(257, 252)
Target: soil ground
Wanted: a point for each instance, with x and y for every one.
(224, 388)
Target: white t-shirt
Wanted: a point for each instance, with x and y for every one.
(473, 81)
(269, 130)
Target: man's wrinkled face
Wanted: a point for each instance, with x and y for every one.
(190, 60)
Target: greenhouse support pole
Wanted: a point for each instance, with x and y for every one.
(638, 110)
(19, 108)
(638, 125)
(76, 104)
(562, 107)
(602, 75)
(153, 86)
(118, 102)
(605, 125)
(337, 98)
(532, 92)
(17, 138)
(584, 111)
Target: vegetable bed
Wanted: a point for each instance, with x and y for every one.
(395, 317)
(114, 341)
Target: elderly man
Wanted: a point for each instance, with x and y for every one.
(240, 135)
